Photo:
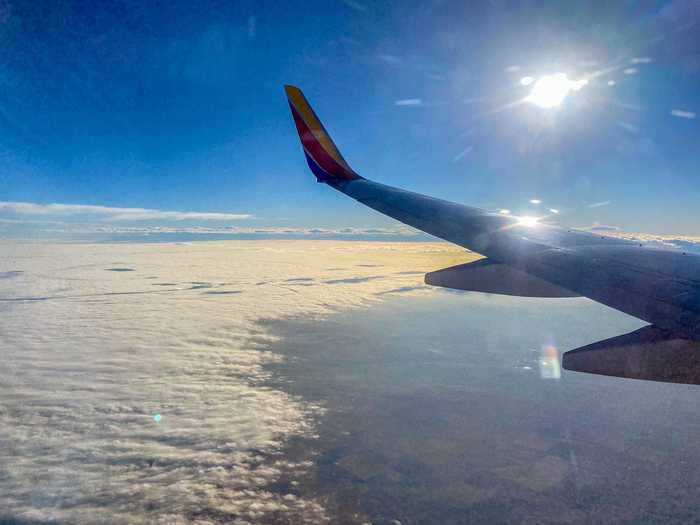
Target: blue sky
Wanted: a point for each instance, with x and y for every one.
(180, 107)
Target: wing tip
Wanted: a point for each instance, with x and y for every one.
(324, 158)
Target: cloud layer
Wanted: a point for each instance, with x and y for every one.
(28, 220)
(134, 384)
(107, 213)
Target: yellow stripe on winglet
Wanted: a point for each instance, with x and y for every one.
(297, 98)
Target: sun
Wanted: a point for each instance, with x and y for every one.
(550, 91)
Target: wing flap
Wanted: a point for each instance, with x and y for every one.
(488, 276)
(649, 353)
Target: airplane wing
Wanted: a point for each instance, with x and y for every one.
(526, 256)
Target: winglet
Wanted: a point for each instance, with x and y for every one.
(323, 156)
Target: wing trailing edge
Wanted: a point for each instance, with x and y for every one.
(488, 276)
(649, 353)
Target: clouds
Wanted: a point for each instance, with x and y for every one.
(90, 365)
(687, 243)
(106, 213)
(602, 228)
(28, 220)
(409, 102)
(679, 242)
(111, 230)
(682, 113)
(357, 6)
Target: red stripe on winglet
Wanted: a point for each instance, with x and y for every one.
(316, 150)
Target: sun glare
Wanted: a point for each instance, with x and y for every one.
(528, 221)
(550, 90)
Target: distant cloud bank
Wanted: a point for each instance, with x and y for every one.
(94, 223)
(106, 213)
(603, 228)
(28, 220)
(689, 243)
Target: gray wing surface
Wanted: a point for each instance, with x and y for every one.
(659, 286)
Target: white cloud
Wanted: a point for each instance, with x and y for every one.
(687, 243)
(357, 6)
(628, 127)
(77, 424)
(681, 113)
(107, 213)
(462, 153)
(602, 227)
(390, 59)
(409, 102)
(73, 221)
(53, 228)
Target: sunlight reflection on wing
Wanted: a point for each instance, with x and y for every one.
(528, 221)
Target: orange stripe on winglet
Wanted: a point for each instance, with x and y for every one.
(297, 99)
